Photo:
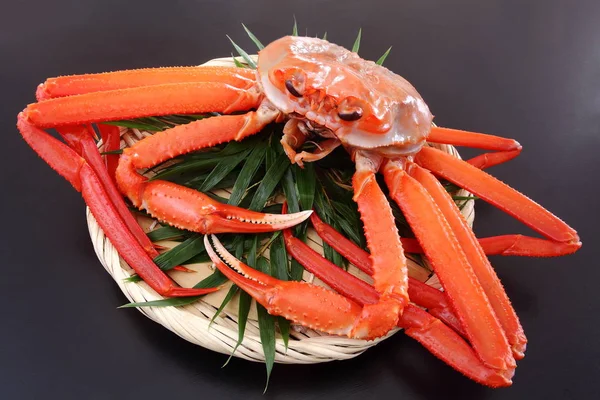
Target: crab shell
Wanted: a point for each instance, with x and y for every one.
(386, 112)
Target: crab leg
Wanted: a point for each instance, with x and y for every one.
(310, 305)
(443, 250)
(82, 177)
(476, 257)
(420, 293)
(508, 245)
(79, 84)
(145, 101)
(307, 304)
(507, 148)
(390, 274)
(187, 208)
(80, 139)
(563, 238)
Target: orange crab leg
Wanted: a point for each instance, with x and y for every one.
(79, 173)
(502, 196)
(111, 138)
(442, 341)
(79, 84)
(507, 148)
(509, 245)
(476, 257)
(80, 139)
(145, 101)
(390, 274)
(450, 264)
(420, 293)
(187, 208)
(307, 304)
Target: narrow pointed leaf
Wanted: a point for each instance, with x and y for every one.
(384, 56)
(237, 62)
(182, 252)
(254, 38)
(166, 233)
(266, 325)
(233, 290)
(245, 301)
(295, 28)
(325, 36)
(222, 169)
(306, 181)
(269, 182)
(214, 280)
(248, 171)
(356, 45)
(279, 268)
(242, 53)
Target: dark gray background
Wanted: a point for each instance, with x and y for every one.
(527, 70)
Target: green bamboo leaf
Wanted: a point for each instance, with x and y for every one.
(105, 153)
(170, 302)
(216, 279)
(279, 268)
(384, 56)
(242, 53)
(266, 326)
(237, 63)
(182, 252)
(356, 45)
(233, 290)
(245, 176)
(279, 259)
(254, 38)
(306, 181)
(222, 169)
(269, 182)
(166, 233)
(133, 124)
(245, 301)
(295, 28)
(291, 196)
(195, 166)
(133, 279)
(290, 191)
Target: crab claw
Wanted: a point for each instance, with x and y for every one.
(309, 305)
(231, 219)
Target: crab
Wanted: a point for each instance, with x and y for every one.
(320, 91)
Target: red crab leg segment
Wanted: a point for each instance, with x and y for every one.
(502, 196)
(304, 303)
(420, 293)
(79, 84)
(507, 148)
(187, 208)
(78, 172)
(111, 138)
(390, 274)
(145, 101)
(450, 264)
(442, 341)
(476, 257)
(509, 245)
(80, 139)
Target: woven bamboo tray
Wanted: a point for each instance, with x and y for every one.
(191, 322)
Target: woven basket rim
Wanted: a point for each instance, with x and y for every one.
(193, 322)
